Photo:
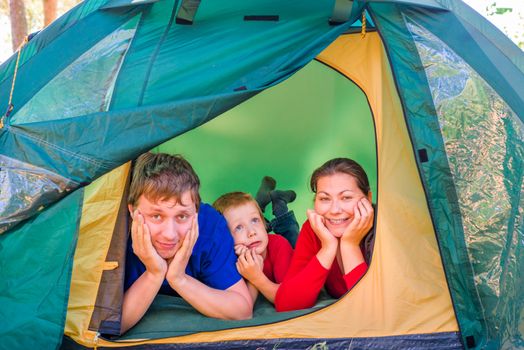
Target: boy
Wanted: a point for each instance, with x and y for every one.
(263, 259)
(180, 246)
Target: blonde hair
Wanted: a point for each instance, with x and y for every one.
(234, 200)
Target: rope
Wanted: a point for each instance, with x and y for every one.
(9, 104)
(363, 33)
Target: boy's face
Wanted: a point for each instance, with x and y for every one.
(247, 227)
(168, 221)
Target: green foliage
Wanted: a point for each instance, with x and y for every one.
(493, 9)
(505, 17)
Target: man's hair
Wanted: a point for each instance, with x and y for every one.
(160, 176)
(342, 166)
(234, 200)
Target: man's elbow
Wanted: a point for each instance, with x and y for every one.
(244, 313)
(242, 310)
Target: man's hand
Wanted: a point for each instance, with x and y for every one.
(361, 224)
(176, 273)
(250, 265)
(143, 247)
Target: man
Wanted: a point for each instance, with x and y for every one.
(179, 246)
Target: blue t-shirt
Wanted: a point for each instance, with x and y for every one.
(212, 261)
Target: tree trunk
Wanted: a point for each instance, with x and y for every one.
(49, 11)
(18, 22)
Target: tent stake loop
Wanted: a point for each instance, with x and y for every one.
(9, 104)
(363, 33)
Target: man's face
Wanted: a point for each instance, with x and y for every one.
(168, 221)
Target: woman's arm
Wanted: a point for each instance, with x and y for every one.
(353, 263)
(307, 273)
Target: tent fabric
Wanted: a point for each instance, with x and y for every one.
(163, 319)
(439, 83)
(125, 3)
(148, 91)
(259, 137)
(480, 196)
(365, 62)
(484, 32)
(368, 67)
(29, 179)
(35, 268)
(475, 231)
(99, 214)
(419, 111)
(437, 341)
(45, 38)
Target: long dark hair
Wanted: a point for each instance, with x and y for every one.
(341, 165)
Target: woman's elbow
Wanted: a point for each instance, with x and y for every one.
(290, 302)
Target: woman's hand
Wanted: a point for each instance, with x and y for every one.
(327, 240)
(329, 243)
(362, 222)
(143, 247)
(176, 272)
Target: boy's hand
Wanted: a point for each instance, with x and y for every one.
(327, 239)
(240, 249)
(143, 248)
(176, 272)
(250, 265)
(361, 224)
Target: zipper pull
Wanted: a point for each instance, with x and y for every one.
(95, 340)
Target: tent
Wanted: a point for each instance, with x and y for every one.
(426, 94)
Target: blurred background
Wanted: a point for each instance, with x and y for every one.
(20, 17)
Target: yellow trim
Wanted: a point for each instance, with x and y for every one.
(404, 291)
(110, 265)
(99, 213)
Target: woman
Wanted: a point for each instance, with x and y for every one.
(328, 248)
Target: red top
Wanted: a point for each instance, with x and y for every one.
(306, 276)
(278, 258)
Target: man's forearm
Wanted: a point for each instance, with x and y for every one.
(233, 303)
(138, 298)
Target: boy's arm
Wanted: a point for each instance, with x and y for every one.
(266, 287)
(233, 303)
(253, 291)
(250, 265)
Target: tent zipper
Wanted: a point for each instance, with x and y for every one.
(95, 340)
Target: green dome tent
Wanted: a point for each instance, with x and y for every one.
(426, 94)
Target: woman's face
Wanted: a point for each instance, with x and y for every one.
(335, 200)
